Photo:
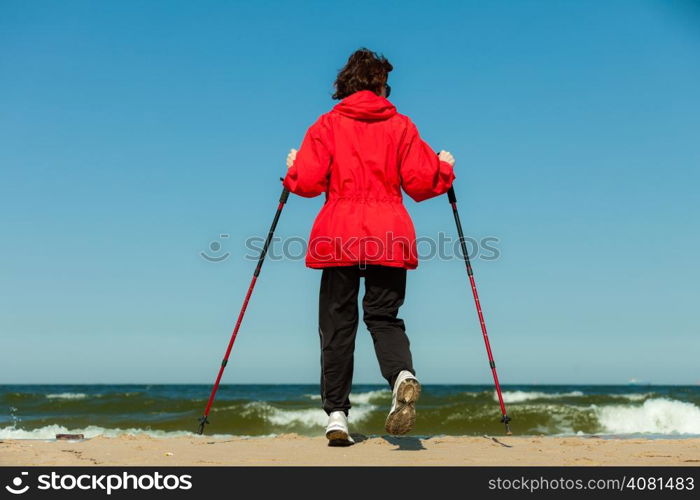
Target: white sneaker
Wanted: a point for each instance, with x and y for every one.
(402, 415)
(337, 430)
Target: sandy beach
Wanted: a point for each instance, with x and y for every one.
(292, 449)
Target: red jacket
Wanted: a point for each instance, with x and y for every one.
(361, 154)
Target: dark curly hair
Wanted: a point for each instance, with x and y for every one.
(365, 70)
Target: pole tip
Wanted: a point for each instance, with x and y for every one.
(506, 421)
(202, 422)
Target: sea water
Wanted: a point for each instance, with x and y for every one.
(42, 411)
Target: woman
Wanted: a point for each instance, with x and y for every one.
(361, 154)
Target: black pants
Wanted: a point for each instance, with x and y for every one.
(338, 320)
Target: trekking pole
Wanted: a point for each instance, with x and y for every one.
(204, 419)
(453, 201)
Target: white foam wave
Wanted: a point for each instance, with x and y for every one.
(50, 431)
(366, 397)
(67, 395)
(308, 417)
(654, 416)
(521, 396)
(359, 398)
(633, 396)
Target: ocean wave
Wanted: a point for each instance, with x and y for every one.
(367, 397)
(633, 396)
(521, 396)
(308, 417)
(50, 431)
(67, 395)
(654, 416)
(360, 397)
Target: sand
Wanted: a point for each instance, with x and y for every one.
(292, 449)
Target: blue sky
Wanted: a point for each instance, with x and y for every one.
(133, 134)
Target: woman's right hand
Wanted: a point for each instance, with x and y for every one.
(447, 156)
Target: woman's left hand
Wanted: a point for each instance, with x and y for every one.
(291, 157)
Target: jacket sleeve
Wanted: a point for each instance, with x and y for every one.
(308, 175)
(423, 174)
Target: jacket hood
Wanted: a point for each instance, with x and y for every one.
(365, 105)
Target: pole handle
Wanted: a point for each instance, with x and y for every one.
(451, 197)
(285, 193)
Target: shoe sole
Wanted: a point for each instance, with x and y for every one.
(401, 420)
(338, 438)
